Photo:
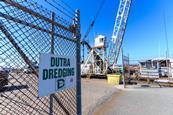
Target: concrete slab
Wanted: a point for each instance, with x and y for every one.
(94, 93)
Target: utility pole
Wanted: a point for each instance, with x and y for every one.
(167, 45)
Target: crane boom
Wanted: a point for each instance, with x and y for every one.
(119, 30)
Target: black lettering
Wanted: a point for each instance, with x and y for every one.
(60, 72)
(64, 64)
(45, 74)
(64, 72)
(56, 62)
(72, 71)
(68, 62)
(52, 61)
(55, 73)
(60, 83)
(69, 71)
(60, 61)
(50, 73)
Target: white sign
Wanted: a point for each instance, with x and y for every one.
(56, 73)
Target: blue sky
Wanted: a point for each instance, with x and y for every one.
(145, 34)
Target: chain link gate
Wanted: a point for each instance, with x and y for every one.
(125, 69)
(26, 30)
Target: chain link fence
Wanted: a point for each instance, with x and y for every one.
(126, 69)
(27, 30)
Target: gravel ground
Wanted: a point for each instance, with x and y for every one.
(139, 101)
(94, 93)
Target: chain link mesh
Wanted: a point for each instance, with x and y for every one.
(25, 32)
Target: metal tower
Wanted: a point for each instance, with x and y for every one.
(118, 32)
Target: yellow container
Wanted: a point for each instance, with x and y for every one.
(113, 79)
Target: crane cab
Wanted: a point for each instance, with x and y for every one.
(100, 41)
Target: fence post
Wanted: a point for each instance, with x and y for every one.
(78, 70)
(52, 52)
(129, 66)
(123, 73)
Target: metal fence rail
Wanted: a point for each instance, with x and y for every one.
(26, 30)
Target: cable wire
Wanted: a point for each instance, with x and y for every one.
(92, 25)
(94, 20)
(66, 4)
(62, 11)
(69, 10)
